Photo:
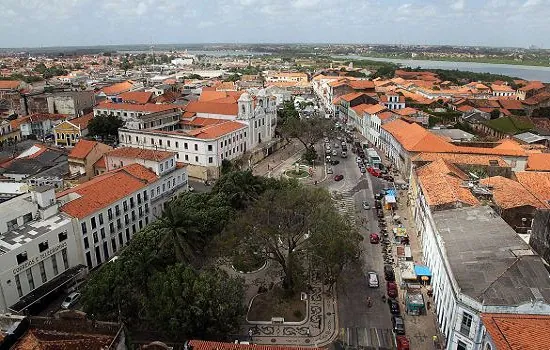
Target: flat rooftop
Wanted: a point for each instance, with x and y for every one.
(490, 262)
(32, 230)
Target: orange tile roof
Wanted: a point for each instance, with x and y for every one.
(415, 138)
(517, 331)
(373, 109)
(9, 84)
(538, 162)
(442, 184)
(140, 97)
(458, 158)
(217, 130)
(407, 111)
(501, 88)
(83, 121)
(511, 194)
(100, 164)
(532, 85)
(352, 96)
(106, 189)
(207, 95)
(146, 108)
(361, 84)
(118, 88)
(200, 121)
(213, 108)
(82, 149)
(140, 153)
(538, 183)
(211, 345)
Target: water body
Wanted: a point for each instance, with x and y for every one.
(524, 72)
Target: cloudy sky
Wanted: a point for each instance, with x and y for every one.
(35, 23)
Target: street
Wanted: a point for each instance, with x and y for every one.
(360, 325)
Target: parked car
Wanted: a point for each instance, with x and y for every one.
(338, 177)
(373, 279)
(336, 145)
(335, 162)
(362, 170)
(344, 154)
(391, 288)
(358, 160)
(394, 307)
(402, 342)
(389, 275)
(398, 325)
(388, 178)
(330, 171)
(366, 205)
(335, 153)
(70, 300)
(374, 238)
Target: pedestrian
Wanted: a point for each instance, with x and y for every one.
(434, 340)
(308, 334)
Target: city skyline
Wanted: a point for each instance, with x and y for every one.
(129, 22)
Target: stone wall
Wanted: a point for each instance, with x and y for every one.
(540, 237)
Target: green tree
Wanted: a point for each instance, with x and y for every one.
(288, 223)
(240, 188)
(125, 65)
(105, 126)
(190, 221)
(233, 77)
(495, 113)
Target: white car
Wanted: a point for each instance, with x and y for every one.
(330, 171)
(366, 205)
(70, 300)
(335, 153)
(373, 279)
(358, 160)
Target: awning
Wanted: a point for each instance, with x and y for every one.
(407, 270)
(422, 270)
(389, 199)
(400, 232)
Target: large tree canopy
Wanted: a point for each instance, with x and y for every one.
(105, 125)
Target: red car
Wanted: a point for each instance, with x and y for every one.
(402, 342)
(391, 288)
(374, 238)
(338, 177)
(376, 172)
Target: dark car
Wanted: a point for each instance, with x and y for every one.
(388, 178)
(335, 162)
(388, 273)
(338, 177)
(394, 307)
(398, 325)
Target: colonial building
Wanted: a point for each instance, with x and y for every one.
(68, 132)
(83, 157)
(142, 116)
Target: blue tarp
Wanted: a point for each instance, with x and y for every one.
(391, 193)
(421, 270)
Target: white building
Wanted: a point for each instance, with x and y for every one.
(214, 131)
(393, 101)
(478, 265)
(109, 209)
(142, 116)
(38, 251)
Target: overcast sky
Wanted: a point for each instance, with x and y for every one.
(35, 23)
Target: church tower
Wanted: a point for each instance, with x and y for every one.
(245, 107)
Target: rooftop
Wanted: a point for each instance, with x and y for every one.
(82, 149)
(509, 194)
(140, 153)
(145, 108)
(213, 108)
(216, 130)
(518, 332)
(118, 88)
(490, 263)
(139, 97)
(105, 189)
(23, 234)
(462, 159)
(538, 162)
(538, 183)
(453, 134)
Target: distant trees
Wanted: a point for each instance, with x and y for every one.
(105, 126)
(49, 72)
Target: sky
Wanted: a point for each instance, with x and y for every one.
(39, 23)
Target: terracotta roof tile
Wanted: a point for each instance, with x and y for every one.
(217, 130)
(210, 345)
(361, 84)
(532, 85)
(83, 121)
(207, 95)
(511, 194)
(213, 108)
(100, 164)
(140, 97)
(105, 189)
(118, 88)
(200, 121)
(82, 149)
(538, 162)
(352, 96)
(538, 183)
(9, 84)
(415, 138)
(140, 153)
(518, 332)
(458, 158)
(146, 108)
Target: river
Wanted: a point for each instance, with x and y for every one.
(524, 72)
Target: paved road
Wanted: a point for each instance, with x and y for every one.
(361, 326)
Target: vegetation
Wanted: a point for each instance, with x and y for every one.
(461, 77)
(510, 125)
(26, 78)
(105, 126)
(49, 72)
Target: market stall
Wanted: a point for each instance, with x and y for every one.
(423, 272)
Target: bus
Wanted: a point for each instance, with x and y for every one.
(374, 158)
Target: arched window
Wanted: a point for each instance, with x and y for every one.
(488, 347)
(244, 109)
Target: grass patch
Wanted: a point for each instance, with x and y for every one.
(297, 174)
(510, 125)
(275, 303)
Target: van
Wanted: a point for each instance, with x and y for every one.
(373, 279)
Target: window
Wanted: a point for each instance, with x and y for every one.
(65, 258)
(171, 163)
(152, 193)
(110, 213)
(146, 208)
(54, 264)
(210, 148)
(177, 144)
(461, 346)
(133, 228)
(62, 236)
(140, 212)
(488, 347)
(42, 246)
(21, 257)
(466, 323)
(93, 223)
(113, 244)
(12, 224)
(42, 272)
(120, 241)
(126, 219)
(185, 145)
(100, 219)
(145, 198)
(133, 215)
(84, 229)
(139, 198)
(221, 144)
(117, 210)
(140, 224)
(125, 205)
(86, 243)
(186, 158)
(105, 251)
(127, 234)
(18, 284)
(210, 160)
(196, 147)
(118, 224)
(27, 218)
(111, 228)
(102, 232)
(161, 167)
(97, 255)
(95, 237)
(160, 142)
(30, 278)
(197, 159)
(132, 203)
